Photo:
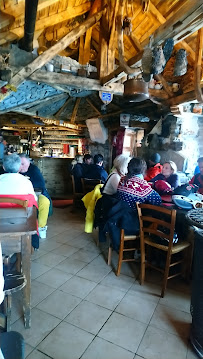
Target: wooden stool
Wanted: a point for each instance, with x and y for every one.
(13, 282)
(130, 239)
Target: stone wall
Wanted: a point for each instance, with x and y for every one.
(56, 172)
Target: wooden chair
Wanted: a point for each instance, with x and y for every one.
(13, 280)
(158, 233)
(131, 247)
(77, 196)
(89, 184)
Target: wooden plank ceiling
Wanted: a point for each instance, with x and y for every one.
(97, 40)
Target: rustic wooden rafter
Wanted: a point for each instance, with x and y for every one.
(57, 114)
(75, 110)
(87, 45)
(52, 51)
(198, 66)
(182, 44)
(75, 81)
(93, 106)
(183, 23)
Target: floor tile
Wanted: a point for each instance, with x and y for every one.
(158, 344)
(92, 247)
(136, 308)
(39, 291)
(121, 282)
(59, 304)
(65, 250)
(148, 291)
(38, 269)
(28, 350)
(100, 349)
(172, 320)
(79, 287)
(50, 259)
(88, 316)
(36, 354)
(177, 300)
(105, 296)
(96, 274)
(66, 342)
(48, 245)
(67, 235)
(79, 242)
(123, 331)
(84, 256)
(99, 261)
(37, 254)
(71, 266)
(54, 278)
(41, 325)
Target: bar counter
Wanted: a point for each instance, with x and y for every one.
(56, 172)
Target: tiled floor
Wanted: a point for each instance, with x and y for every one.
(80, 309)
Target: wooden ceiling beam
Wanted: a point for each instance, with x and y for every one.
(57, 114)
(55, 19)
(191, 12)
(53, 78)
(92, 105)
(103, 44)
(87, 46)
(182, 44)
(75, 110)
(198, 66)
(46, 56)
(186, 97)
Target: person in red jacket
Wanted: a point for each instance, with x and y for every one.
(198, 178)
(154, 167)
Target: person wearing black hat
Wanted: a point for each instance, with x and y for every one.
(154, 167)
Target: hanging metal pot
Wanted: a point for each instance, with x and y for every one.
(136, 90)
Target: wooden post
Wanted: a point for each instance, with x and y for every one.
(75, 110)
(198, 66)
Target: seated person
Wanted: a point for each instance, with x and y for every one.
(13, 182)
(96, 171)
(30, 170)
(168, 174)
(154, 167)
(133, 188)
(78, 172)
(198, 178)
(88, 159)
(123, 213)
(120, 165)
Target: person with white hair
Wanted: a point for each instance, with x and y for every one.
(13, 182)
(120, 168)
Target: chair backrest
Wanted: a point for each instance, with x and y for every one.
(20, 202)
(73, 183)
(157, 222)
(89, 184)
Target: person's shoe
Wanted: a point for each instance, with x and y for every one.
(43, 232)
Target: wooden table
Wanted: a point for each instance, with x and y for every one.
(16, 228)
